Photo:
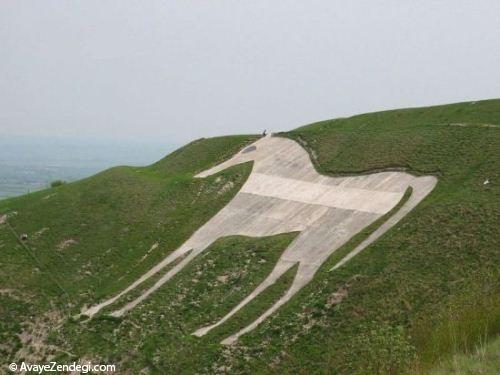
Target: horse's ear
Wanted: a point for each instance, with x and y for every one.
(247, 154)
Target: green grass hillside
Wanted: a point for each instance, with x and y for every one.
(484, 360)
(92, 237)
(433, 281)
(425, 291)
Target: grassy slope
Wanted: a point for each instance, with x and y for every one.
(440, 264)
(428, 287)
(484, 360)
(157, 334)
(114, 218)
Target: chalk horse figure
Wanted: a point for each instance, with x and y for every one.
(284, 193)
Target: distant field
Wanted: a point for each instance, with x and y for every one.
(23, 179)
(30, 164)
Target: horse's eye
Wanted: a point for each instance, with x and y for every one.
(249, 149)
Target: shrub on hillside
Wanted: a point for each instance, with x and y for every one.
(57, 183)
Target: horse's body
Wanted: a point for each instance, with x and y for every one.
(284, 193)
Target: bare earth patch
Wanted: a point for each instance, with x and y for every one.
(41, 231)
(153, 247)
(7, 291)
(34, 338)
(224, 189)
(66, 243)
(222, 279)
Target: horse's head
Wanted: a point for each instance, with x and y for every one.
(257, 150)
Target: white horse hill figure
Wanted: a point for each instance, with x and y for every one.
(284, 193)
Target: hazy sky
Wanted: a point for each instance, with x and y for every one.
(178, 70)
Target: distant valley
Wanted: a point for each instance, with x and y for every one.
(28, 164)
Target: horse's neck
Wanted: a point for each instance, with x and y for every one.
(295, 165)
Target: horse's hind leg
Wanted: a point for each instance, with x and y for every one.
(159, 283)
(281, 267)
(304, 274)
(165, 262)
